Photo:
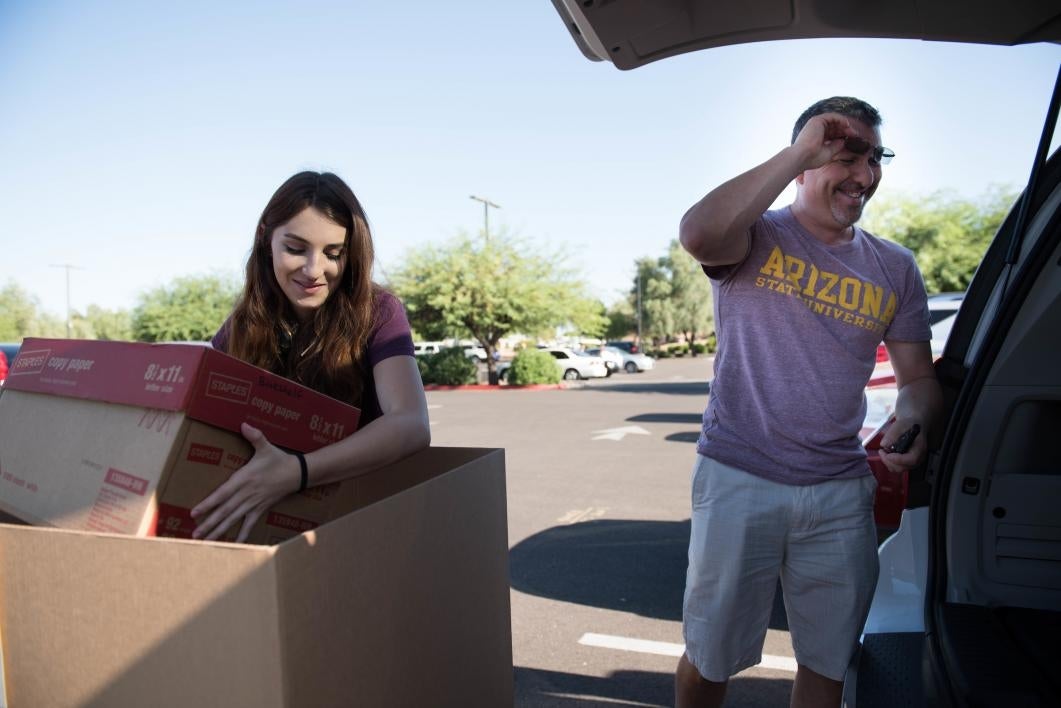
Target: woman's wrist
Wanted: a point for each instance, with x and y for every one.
(302, 480)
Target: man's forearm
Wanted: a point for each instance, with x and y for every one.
(715, 229)
(920, 401)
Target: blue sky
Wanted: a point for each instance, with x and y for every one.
(140, 141)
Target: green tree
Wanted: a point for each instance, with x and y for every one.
(675, 296)
(948, 234)
(449, 367)
(100, 323)
(191, 308)
(21, 315)
(622, 320)
(657, 309)
(486, 290)
(690, 294)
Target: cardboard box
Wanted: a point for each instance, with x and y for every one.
(127, 437)
(402, 602)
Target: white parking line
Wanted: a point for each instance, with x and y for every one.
(578, 515)
(646, 646)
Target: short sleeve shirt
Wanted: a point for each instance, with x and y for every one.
(391, 336)
(798, 323)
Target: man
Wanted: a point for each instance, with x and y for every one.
(781, 487)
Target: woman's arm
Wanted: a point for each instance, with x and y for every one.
(271, 474)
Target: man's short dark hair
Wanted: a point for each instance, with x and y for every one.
(845, 106)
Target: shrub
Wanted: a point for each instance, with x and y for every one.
(425, 368)
(662, 354)
(451, 368)
(699, 348)
(533, 366)
(712, 343)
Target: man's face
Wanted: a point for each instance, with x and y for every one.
(835, 193)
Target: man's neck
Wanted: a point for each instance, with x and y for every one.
(830, 233)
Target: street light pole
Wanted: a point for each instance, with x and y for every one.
(68, 268)
(640, 346)
(486, 214)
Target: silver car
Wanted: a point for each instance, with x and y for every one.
(633, 363)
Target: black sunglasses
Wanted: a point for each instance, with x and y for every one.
(879, 155)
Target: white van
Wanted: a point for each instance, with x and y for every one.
(425, 348)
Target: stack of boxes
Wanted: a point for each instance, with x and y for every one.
(104, 449)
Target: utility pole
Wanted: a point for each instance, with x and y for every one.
(68, 268)
(640, 346)
(486, 214)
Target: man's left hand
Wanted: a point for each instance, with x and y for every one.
(903, 461)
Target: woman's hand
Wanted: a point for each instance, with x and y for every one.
(270, 475)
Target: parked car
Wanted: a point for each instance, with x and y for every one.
(8, 352)
(629, 362)
(628, 347)
(881, 391)
(968, 604)
(941, 308)
(940, 334)
(578, 365)
(634, 362)
(613, 358)
(479, 354)
(424, 348)
(574, 365)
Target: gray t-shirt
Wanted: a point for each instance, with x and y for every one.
(798, 324)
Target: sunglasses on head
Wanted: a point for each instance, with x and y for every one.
(878, 156)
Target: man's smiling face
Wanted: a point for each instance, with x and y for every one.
(834, 194)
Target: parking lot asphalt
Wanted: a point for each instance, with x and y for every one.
(598, 507)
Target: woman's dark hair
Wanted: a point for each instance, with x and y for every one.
(844, 105)
(326, 352)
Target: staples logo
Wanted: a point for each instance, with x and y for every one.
(205, 454)
(228, 388)
(30, 362)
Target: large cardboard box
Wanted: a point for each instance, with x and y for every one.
(401, 602)
(128, 437)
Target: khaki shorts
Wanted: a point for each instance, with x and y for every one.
(747, 532)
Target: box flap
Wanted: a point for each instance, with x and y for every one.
(419, 579)
(137, 621)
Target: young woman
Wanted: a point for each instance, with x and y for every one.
(310, 312)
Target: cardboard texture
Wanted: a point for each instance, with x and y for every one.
(126, 437)
(403, 601)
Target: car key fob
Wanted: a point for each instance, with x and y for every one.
(905, 440)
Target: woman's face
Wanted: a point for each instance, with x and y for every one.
(309, 256)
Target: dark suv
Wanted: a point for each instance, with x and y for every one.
(628, 347)
(968, 607)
